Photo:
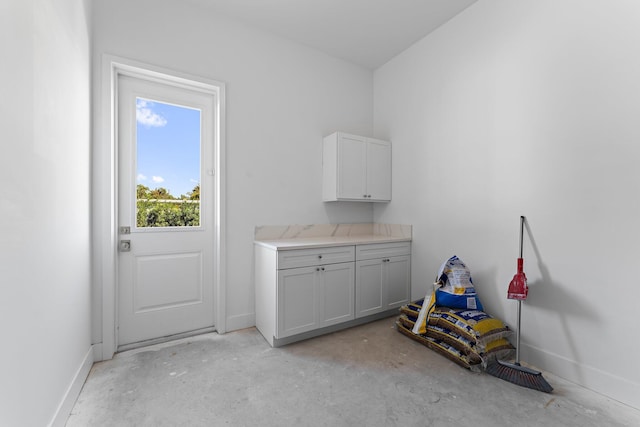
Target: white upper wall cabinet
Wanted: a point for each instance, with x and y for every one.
(356, 168)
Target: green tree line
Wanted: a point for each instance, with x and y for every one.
(159, 208)
(161, 193)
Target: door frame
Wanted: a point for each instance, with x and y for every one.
(105, 197)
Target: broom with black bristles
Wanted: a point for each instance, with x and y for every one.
(514, 372)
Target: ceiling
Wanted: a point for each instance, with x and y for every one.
(366, 32)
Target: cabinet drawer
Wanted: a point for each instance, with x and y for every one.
(309, 257)
(382, 250)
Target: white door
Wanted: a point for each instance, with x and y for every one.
(166, 227)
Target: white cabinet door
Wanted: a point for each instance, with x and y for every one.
(369, 287)
(352, 167)
(338, 293)
(382, 284)
(297, 301)
(378, 170)
(314, 297)
(398, 281)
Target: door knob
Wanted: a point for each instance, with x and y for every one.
(125, 245)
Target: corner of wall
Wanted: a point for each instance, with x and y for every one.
(73, 391)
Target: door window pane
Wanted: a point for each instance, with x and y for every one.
(168, 171)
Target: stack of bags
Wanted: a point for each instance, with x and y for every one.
(452, 321)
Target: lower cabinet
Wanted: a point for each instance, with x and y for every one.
(301, 291)
(314, 297)
(382, 283)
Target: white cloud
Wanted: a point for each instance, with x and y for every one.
(142, 177)
(157, 179)
(145, 116)
(195, 181)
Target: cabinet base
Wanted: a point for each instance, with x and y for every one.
(279, 342)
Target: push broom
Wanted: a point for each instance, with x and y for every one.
(514, 372)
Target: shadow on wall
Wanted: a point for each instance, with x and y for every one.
(555, 300)
(348, 212)
(489, 289)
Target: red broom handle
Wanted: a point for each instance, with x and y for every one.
(520, 270)
(521, 236)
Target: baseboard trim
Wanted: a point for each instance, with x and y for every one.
(604, 383)
(73, 391)
(278, 342)
(241, 321)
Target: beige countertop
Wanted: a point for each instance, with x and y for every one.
(326, 241)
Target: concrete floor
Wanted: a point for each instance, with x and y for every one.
(369, 375)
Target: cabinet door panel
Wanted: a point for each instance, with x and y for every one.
(352, 168)
(379, 170)
(398, 277)
(369, 287)
(297, 301)
(338, 286)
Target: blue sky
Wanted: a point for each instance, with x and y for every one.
(168, 146)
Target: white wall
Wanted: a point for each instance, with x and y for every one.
(282, 98)
(528, 108)
(44, 207)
